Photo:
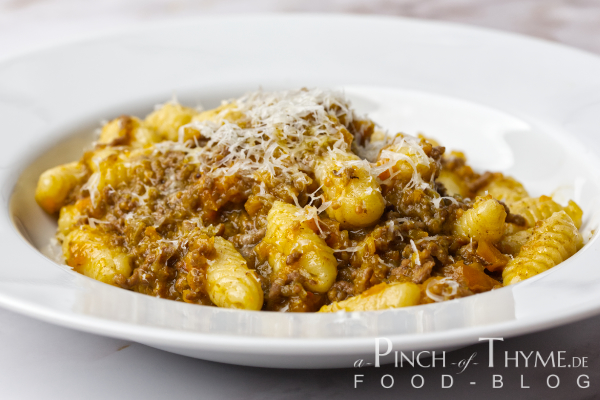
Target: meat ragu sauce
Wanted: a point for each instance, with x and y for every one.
(324, 211)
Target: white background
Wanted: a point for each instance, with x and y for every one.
(42, 361)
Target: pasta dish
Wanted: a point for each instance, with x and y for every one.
(291, 201)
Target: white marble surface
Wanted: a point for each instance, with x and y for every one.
(42, 361)
(39, 360)
(27, 24)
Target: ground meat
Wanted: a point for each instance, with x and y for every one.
(164, 209)
(289, 294)
(340, 291)
(414, 273)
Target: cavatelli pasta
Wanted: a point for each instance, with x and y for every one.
(128, 131)
(379, 297)
(167, 120)
(112, 168)
(504, 188)
(355, 196)
(89, 252)
(405, 162)
(485, 221)
(535, 209)
(108, 170)
(68, 218)
(225, 112)
(55, 184)
(453, 183)
(231, 284)
(552, 242)
(291, 243)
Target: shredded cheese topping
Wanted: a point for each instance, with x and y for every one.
(448, 283)
(283, 134)
(278, 133)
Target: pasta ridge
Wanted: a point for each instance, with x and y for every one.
(552, 242)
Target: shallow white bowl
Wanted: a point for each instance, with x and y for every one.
(519, 105)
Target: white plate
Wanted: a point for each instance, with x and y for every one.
(523, 106)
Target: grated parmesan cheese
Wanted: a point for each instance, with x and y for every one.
(436, 202)
(449, 283)
(416, 252)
